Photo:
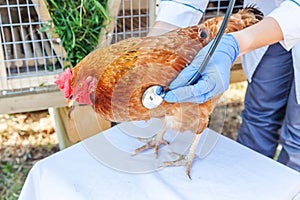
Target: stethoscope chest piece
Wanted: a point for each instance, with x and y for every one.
(153, 97)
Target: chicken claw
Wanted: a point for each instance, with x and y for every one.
(153, 142)
(187, 159)
(183, 160)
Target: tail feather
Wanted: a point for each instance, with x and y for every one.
(243, 18)
(252, 8)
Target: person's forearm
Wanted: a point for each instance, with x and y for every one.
(160, 27)
(261, 34)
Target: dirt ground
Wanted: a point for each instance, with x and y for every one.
(26, 138)
(232, 106)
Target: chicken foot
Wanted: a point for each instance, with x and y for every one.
(187, 159)
(153, 142)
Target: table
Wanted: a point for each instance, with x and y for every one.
(101, 167)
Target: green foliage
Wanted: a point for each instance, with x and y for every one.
(12, 178)
(78, 23)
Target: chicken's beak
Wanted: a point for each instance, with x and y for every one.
(70, 103)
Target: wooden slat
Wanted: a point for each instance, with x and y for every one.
(27, 47)
(58, 122)
(136, 4)
(3, 75)
(37, 48)
(32, 102)
(152, 12)
(29, 82)
(112, 11)
(17, 47)
(48, 50)
(83, 122)
(9, 47)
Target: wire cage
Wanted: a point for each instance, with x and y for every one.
(136, 16)
(219, 7)
(134, 19)
(30, 56)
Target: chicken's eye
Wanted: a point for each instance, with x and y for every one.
(80, 85)
(202, 34)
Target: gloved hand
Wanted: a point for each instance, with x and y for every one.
(215, 77)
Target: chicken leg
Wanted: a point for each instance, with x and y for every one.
(187, 159)
(153, 142)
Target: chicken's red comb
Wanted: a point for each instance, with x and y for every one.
(63, 81)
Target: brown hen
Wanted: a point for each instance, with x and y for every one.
(113, 79)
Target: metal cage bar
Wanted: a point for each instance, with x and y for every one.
(134, 19)
(218, 8)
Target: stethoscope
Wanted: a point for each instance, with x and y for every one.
(153, 96)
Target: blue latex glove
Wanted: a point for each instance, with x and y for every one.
(215, 77)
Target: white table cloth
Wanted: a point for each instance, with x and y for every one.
(101, 167)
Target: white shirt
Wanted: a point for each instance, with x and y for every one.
(184, 13)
